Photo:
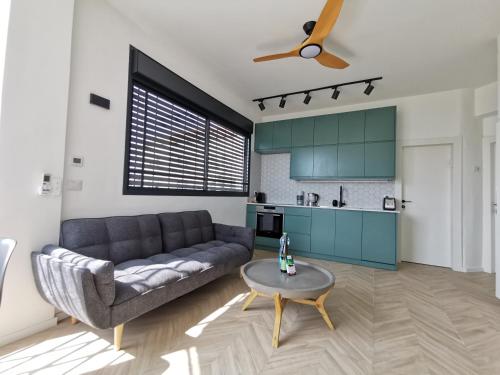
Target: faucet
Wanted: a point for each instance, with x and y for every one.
(341, 200)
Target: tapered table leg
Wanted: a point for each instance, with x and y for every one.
(320, 305)
(250, 298)
(278, 309)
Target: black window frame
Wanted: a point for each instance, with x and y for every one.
(148, 84)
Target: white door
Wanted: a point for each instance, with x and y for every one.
(426, 218)
(493, 204)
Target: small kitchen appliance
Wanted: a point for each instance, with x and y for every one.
(260, 197)
(300, 199)
(389, 203)
(312, 199)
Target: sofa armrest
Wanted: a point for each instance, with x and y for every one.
(101, 270)
(231, 233)
(70, 288)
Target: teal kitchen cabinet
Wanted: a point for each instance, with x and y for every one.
(251, 220)
(264, 137)
(352, 127)
(322, 231)
(325, 161)
(351, 160)
(301, 162)
(298, 227)
(379, 237)
(348, 230)
(326, 130)
(297, 224)
(282, 136)
(380, 159)
(267, 242)
(303, 131)
(380, 124)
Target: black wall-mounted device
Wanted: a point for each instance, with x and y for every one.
(99, 101)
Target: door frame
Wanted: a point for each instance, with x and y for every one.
(488, 229)
(457, 258)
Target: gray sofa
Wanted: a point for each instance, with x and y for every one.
(108, 271)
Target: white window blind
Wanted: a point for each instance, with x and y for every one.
(174, 149)
(227, 160)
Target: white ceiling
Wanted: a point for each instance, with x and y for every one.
(418, 46)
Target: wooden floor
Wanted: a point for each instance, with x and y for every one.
(418, 320)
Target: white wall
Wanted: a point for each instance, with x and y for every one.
(32, 141)
(443, 116)
(100, 56)
(4, 28)
(485, 99)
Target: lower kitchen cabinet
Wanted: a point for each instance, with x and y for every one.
(348, 231)
(267, 242)
(322, 231)
(300, 241)
(379, 237)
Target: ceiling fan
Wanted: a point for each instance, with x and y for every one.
(312, 46)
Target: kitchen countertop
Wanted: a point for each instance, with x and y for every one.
(345, 208)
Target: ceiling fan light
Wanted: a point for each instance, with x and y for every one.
(261, 105)
(283, 102)
(369, 88)
(307, 99)
(310, 51)
(336, 93)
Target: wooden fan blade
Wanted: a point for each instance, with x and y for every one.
(292, 53)
(326, 20)
(331, 61)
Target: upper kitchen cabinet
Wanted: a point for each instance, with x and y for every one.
(326, 130)
(351, 161)
(352, 127)
(380, 124)
(325, 161)
(301, 163)
(303, 131)
(264, 137)
(282, 136)
(380, 159)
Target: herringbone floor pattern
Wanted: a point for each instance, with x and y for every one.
(418, 320)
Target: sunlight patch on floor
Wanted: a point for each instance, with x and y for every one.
(197, 329)
(75, 353)
(183, 362)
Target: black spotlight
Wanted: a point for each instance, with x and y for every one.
(261, 105)
(307, 99)
(283, 102)
(369, 88)
(336, 93)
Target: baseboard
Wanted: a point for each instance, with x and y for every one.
(474, 269)
(14, 336)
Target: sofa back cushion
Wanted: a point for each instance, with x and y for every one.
(118, 239)
(183, 229)
(133, 237)
(88, 237)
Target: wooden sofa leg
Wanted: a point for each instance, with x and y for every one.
(74, 320)
(118, 336)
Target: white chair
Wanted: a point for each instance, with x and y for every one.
(6, 248)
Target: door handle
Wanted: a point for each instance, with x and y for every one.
(404, 203)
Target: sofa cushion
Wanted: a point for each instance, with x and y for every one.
(88, 237)
(133, 237)
(184, 229)
(138, 276)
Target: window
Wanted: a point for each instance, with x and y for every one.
(174, 150)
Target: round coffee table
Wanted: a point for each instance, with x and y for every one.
(309, 286)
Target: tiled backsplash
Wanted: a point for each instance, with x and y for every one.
(279, 188)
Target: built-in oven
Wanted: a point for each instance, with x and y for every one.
(270, 221)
